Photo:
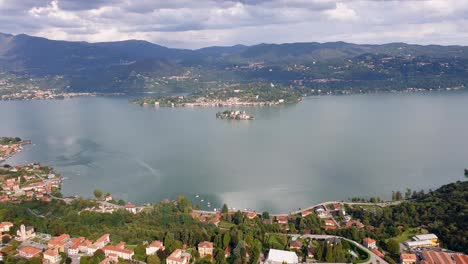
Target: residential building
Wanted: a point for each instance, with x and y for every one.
(118, 251)
(408, 258)
(25, 233)
(179, 256)
(369, 243)
(51, 256)
(426, 240)
(276, 256)
(154, 247)
(205, 248)
(59, 242)
(5, 226)
(282, 219)
(131, 208)
(29, 252)
(330, 224)
(251, 215)
(460, 259)
(306, 213)
(434, 257)
(295, 245)
(102, 241)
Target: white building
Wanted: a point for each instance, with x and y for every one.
(280, 256)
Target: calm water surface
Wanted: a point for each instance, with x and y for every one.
(288, 157)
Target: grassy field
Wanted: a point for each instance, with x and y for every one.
(407, 234)
(225, 225)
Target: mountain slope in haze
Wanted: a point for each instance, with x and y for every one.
(135, 65)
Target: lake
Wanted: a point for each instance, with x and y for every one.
(324, 148)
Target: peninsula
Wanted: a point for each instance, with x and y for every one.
(9, 146)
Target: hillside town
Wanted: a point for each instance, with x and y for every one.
(27, 183)
(9, 146)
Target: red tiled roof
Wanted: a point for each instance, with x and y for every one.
(378, 253)
(60, 240)
(118, 249)
(156, 243)
(460, 259)
(51, 252)
(30, 250)
(205, 244)
(408, 257)
(4, 224)
(103, 238)
(368, 240)
(436, 257)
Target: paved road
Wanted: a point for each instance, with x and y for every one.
(373, 259)
(312, 207)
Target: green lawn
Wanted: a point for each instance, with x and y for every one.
(225, 225)
(406, 235)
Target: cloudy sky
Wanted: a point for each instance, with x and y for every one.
(200, 23)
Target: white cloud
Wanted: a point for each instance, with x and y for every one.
(342, 13)
(193, 24)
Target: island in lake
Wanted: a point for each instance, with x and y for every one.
(258, 94)
(234, 115)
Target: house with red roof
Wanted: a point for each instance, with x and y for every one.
(178, 256)
(330, 224)
(59, 242)
(5, 226)
(408, 258)
(282, 219)
(102, 241)
(205, 248)
(29, 252)
(369, 243)
(118, 251)
(131, 208)
(154, 247)
(295, 245)
(51, 256)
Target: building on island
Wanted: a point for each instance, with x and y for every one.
(276, 256)
(154, 247)
(205, 248)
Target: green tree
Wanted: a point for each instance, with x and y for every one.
(329, 253)
(225, 209)
(219, 256)
(226, 240)
(97, 194)
(265, 215)
(393, 247)
(153, 259)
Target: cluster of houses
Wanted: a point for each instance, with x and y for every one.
(433, 257)
(51, 250)
(6, 151)
(27, 183)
